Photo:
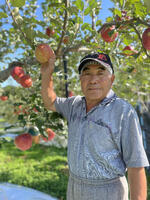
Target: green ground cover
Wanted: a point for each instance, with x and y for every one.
(42, 167)
(1, 126)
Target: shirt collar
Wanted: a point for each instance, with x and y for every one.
(111, 96)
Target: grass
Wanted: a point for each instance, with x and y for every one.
(2, 119)
(43, 168)
(1, 127)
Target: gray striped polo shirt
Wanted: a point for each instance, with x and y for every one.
(104, 142)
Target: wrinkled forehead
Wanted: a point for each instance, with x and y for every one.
(93, 67)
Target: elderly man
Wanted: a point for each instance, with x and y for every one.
(104, 139)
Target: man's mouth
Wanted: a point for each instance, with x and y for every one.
(93, 88)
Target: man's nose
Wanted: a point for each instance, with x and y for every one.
(94, 78)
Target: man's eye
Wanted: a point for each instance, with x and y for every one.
(86, 73)
(100, 73)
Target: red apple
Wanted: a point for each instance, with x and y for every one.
(129, 50)
(35, 110)
(26, 81)
(146, 39)
(20, 107)
(70, 94)
(134, 71)
(109, 34)
(50, 32)
(43, 53)
(50, 133)
(24, 111)
(23, 141)
(18, 110)
(4, 98)
(17, 72)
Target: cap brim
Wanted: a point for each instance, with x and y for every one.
(107, 66)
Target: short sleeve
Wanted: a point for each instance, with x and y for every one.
(131, 140)
(63, 106)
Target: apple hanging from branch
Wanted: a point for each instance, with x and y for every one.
(23, 141)
(26, 81)
(109, 34)
(50, 134)
(129, 51)
(146, 39)
(70, 94)
(43, 53)
(50, 32)
(66, 39)
(17, 72)
(4, 98)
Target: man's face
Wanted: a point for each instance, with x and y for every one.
(96, 82)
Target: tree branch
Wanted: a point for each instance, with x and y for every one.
(93, 19)
(64, 28)
(127, 22)
(4, 74)
(137, 32)
(117, 23)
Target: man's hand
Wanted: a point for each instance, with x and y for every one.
(48, 67)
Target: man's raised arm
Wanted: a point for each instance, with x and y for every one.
(47, 91)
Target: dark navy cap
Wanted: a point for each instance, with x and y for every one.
(100, 58)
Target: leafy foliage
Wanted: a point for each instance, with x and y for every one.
(23, 25)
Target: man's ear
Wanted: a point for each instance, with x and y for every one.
(80, 77)
(112, 78)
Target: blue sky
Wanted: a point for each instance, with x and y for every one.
(104, 13)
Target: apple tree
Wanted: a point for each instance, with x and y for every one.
(72, 28)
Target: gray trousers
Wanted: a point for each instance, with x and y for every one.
(81, 189)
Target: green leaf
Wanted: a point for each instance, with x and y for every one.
(147, 3)
(3, 15)
(92, 4)
(17, 3)
(79, 4)
(41, 35)
(98, 22)
(87, 11)
(86, 26)
(117, 12)
(121, 2)
(30, 33)
(139, 10)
